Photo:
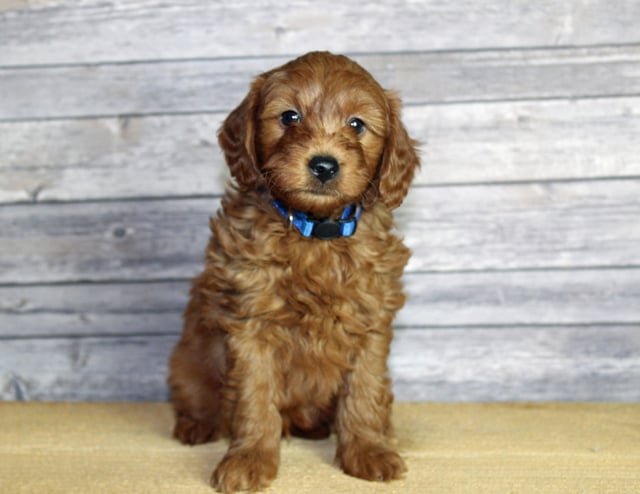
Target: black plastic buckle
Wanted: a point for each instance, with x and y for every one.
(327, 229)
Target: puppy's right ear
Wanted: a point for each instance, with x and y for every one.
(237, 139)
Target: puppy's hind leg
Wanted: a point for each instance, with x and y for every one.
(196, 371)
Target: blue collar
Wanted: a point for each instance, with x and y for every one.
(325, 228)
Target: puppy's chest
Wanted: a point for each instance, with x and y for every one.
(310, 288)
(329, 291)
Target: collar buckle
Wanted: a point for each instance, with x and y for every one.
(327, 229)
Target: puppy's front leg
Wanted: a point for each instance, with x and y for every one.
(363, 418)
(256, 425)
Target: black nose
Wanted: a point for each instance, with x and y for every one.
(324, 168)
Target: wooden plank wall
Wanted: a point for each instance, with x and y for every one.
(524, 221)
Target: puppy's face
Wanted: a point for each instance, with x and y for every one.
(320, 133)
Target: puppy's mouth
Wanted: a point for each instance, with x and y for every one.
(318, 201)
(320, 191)
(314, 194)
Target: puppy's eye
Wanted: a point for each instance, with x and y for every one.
(290, 117)
(358, 125)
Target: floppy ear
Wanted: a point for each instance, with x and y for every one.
(399, 160)
(237, 139)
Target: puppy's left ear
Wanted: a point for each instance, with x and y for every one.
(400, 159)
(237, 139)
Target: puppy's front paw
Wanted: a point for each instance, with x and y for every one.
(191, 431)
(245, 470)
(371, 462)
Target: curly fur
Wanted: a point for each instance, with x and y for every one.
(287, 334)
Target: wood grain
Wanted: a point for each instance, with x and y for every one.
(522, 226)
(64, 31)
(111, 158)
(537, 225)
(97, 309)
(217, 85)
(540, 364)
(524, 221)
(436, 300)
(104, 241)
(602, 296)
(529, 140)
(163, 156)
(586, 363)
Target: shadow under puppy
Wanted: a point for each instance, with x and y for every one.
(289, 326)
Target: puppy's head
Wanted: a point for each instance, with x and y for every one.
(320, 133)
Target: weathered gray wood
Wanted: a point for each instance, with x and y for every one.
(217, 85)
(590, 363)
(85, 368)
(604, 296)
(536, 140)
(538, 225)
(517, 291)
(109, 158)
(521, 226)
(508, 299)
(541, 364)
(103, 309)
(157, 156)
(86, 310)
(104, 241)
(65, 31)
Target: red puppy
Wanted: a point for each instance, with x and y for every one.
(289, 326)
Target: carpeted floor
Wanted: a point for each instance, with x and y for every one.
(450, 448)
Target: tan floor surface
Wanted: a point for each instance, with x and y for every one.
(449, 448)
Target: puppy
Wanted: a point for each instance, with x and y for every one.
(288, 327)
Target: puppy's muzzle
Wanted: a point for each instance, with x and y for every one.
(324, 168)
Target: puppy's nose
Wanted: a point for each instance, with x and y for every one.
(324, 168)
